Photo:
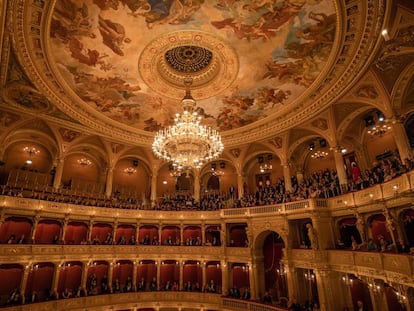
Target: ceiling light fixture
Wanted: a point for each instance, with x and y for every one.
(31, 150)
(187, 143)
(379, 128)
(217, 173)
(265, 167)
(319, 154)
(84, 161)
(130, 170)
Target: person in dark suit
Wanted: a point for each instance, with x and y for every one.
(361, 306)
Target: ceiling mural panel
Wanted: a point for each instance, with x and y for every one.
(267, 54)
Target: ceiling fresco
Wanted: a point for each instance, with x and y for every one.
(264, 55)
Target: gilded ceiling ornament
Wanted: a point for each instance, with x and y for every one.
(235, 152)
(7, 118)
(68, 135)
(277, 142)
(367, 91)
(320, 123)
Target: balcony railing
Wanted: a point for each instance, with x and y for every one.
(396, 188)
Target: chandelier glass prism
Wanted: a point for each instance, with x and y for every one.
(187, 144)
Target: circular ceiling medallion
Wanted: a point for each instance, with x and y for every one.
(209, 61)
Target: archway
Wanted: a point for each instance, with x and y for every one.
(268, 249)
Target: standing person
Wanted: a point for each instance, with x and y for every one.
(356, 172)
(361, 306)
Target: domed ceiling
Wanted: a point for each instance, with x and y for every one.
(127, 59)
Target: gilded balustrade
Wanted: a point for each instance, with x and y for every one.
(128, 300)
(391, 267)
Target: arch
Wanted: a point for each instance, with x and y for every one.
(169, 274)
(192, 236)
(125, 234)
(146, 273)
(16, 230)
(70, 276)
(192, 276)
(48, 232)
(268, 253)
(102, 233)
(39, 281)
(13, 274)
(76, 233)
(148, 234)
(123, 272)
(170, 235)
(97, 278)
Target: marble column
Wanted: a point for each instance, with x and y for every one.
(224, 277)
(110, 275)
(240, 188)
(23, 283)
(57, 180)
(286, 176)
(84, 277)
(197, 185)
(153, 188)
(340, 168)
(109, 181)
(401, 140)
(55, 282)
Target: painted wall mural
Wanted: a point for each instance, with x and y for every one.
(282, 47)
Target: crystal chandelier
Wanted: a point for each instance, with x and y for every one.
(319, 154)
(187, 144)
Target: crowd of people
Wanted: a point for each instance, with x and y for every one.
(321, 184)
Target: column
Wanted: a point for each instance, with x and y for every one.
(134, 275)
(35, 222)
(378, 300)
(137, 233)
(114, 232)
(292, 281)
(203, 233)
(253, 280)
(197, 185)
(153, 188)
(340, 168)
(64, 228)
(181, 283)
(109, 181)
(158, 273)
(203, 273)
(326, 299)
(182, 242)
(110, 275)
(57, 180)
(401, 139)
(223, 234)
(240, 187)
(286, 175)
(224, 277)
(159, 233)
(55, 282)
(84, 278)
(90, 230)
(23, 283)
